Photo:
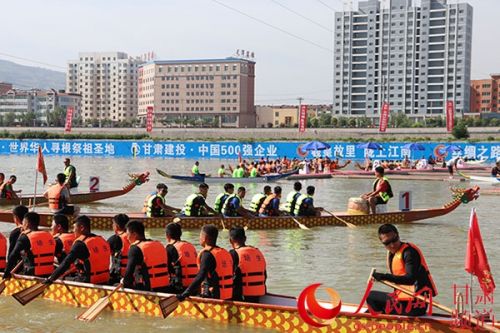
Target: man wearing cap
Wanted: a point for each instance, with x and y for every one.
(70, 173)
(156, 206)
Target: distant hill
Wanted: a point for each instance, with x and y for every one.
(27, 77)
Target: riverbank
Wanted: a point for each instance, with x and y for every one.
(251, 134)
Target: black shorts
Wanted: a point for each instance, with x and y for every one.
(68, 210)
(379, 200)
(450, 169)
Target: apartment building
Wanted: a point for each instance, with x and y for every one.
(485, 94)
(208, 92)
(417, 57)
(107, 82)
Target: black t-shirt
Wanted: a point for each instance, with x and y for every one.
(237, 279)
(22, 244)
(207, 267)
(115, 244)
(78, 251)
(495, 171)
(198, 203)
(13, 236)
(136, 258)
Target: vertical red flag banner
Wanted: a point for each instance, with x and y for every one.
(450, 115)
(384, 117)
(476, 261)
(302, 118)
(40, 165)
(149, 119)
(69, 119)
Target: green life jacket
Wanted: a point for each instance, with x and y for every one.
(256, 202)
(299, 209)
(253, 173)
(384, 195)
(195, 170)
(70, 173)
(188, 206)
(235, 173)
(291, 202)
(153, 211)
(221, 172)
(229, 209)
(219, 201)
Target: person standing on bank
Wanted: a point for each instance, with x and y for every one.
(408, 269)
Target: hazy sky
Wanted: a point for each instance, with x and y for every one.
(54, 31)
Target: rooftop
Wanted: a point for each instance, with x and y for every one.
(197, 61)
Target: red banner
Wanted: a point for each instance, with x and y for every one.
(149, 119)
(450, 116)
(69, 119)
(302, 118)
(476, 261)
(384, 117)
(40, 165)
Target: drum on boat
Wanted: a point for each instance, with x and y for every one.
(357, 206)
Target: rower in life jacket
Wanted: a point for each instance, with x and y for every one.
(90, 254)
(258, 199)
(271, 205)
(119, 246)
(182, 258)
(35, 248)
(3, 252)
(156, 206)
(292, 197)
(233, 206)
(222, 197)
(70, 173)
(305, 204)
(408, 269)
(59, 197)
(254, 172)
(63, 238)
(382, 191)
(196, 203)
(249, 266)
(215, 275)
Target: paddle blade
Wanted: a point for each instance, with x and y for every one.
(2, 286)
(162, 173)
(27, 295)
(303, 226)
(168, 305)
(91, 313)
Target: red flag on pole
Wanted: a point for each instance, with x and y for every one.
(476, 261)
(40, 165)
(450, 116)
(69, 119)
(149, 119)
(303, 118)
(384, 117)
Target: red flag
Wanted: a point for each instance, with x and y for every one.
(450, 116)
(302, 118)
(40, 165)
(69, 119)
(476, 261)
(149, 119)
(384, 117)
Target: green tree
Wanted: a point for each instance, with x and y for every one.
(460, 131)
(57, 118)
(335, 122)
(352, 122)
(10, 119)
(364, 122)
(342, 122)
(315, 122)
(325, 120)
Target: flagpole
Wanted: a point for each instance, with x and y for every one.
(34, 195)
(471, 298)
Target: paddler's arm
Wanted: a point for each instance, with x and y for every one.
(412, 263)
(78, 251)
(13, 236)
(168, 209)
(22, 244)
(207, 263)
(135, 258)
(173, 258)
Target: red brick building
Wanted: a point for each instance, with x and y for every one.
(485, 94)
(5, 87)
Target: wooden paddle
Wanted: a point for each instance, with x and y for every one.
(92, 312)
(472, 320)
(15, 269)
(301, 226)
(28, 294)
(168, 305)
(162, 173)
(349, 225)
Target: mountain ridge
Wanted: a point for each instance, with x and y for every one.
(31, 77)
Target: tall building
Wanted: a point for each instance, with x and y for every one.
(415, 57)
(108, 84)
(211, 92)
(485, 94)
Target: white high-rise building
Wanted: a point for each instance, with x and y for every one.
(415, 57)
(107, 82)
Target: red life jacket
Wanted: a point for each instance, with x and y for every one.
(67, 239)
(42, 249)
(54, 195)
(224, 271)
(397, 267)
(252, 265)
(187, 261)
(98, 260)
(124, 252)
(156, 262)
(3, 252)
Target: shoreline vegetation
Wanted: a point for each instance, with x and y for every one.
(488, 134)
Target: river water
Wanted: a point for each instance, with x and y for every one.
(340, 258)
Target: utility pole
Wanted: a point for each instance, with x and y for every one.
(300, 99)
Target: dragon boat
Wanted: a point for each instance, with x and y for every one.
(83, 197)
(104, 221)
(274, 312)
(202, 178)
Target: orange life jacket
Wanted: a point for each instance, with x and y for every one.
(54, 195)
(3, 252)
(224, 271)
(67, 239)
(252, 265)
(42, 248)
(264, 207)
(187, 261)
(397, 267)
(98, 260)
(124, 252)
(156, 262)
